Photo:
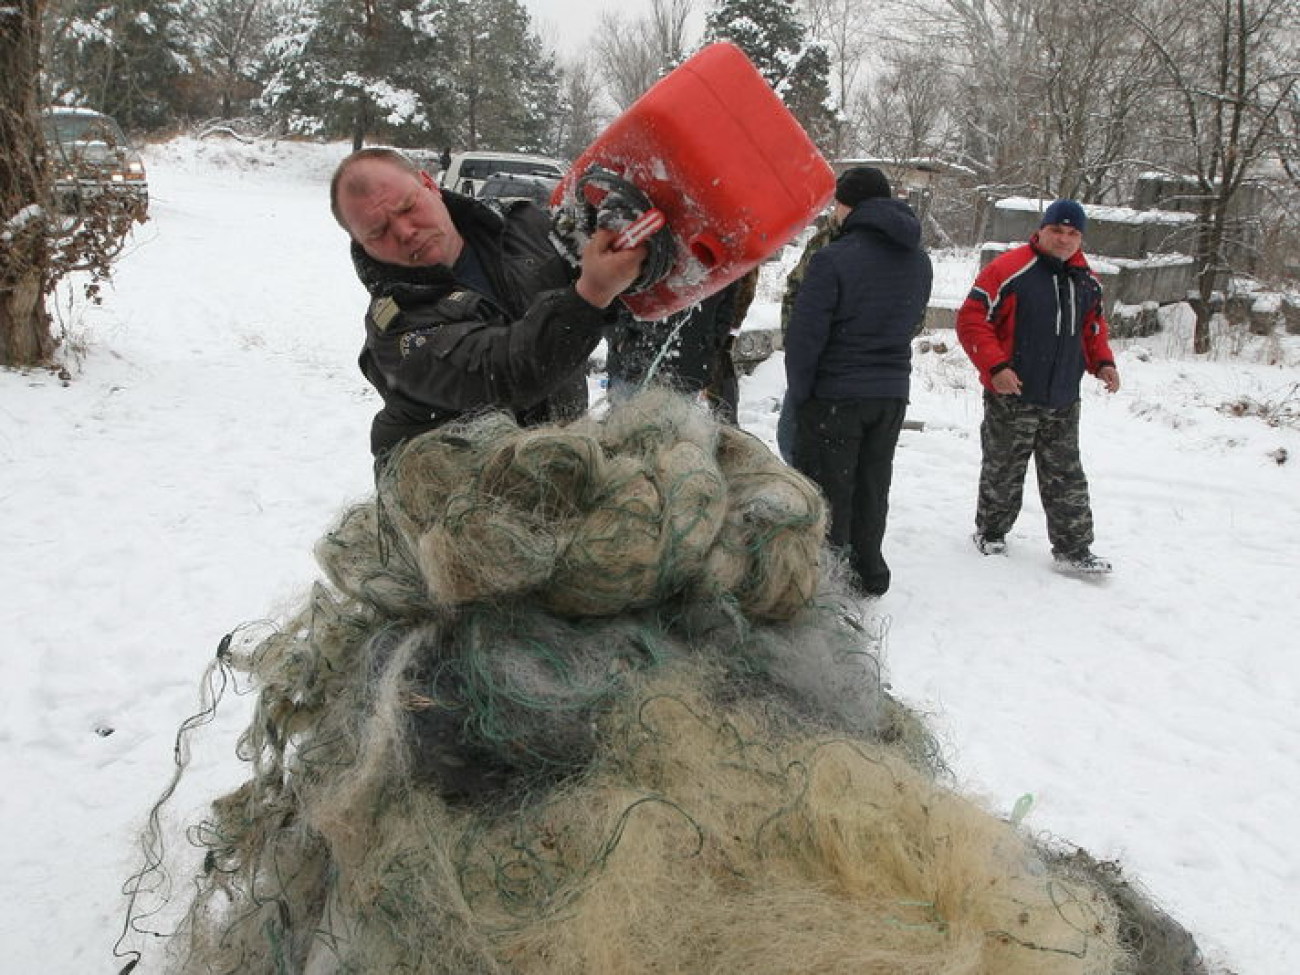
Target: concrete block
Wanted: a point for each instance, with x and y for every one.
(1291, 315)
(1135, 321)
(1161, 279)
(754, 345)
(937, 317)
(1113, 231)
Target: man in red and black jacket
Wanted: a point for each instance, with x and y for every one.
(1033, 324)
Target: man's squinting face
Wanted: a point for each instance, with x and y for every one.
(1060, 240)
(396, 216)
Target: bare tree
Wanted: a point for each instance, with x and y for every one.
(25, 337)
(666, 25)
(1282, 230)
(1043, 93)
(1036, 97)
(849, 32)
(39, 244)
(580, 122)
(1230, 72)
(906, 112)
(990, 44)
(633, 53)
(1289, 142)
(1096, 76)
(626, 62)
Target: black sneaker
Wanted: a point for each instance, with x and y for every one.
(1081, 563)
(990, 544)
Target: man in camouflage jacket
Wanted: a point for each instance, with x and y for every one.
(825, 230)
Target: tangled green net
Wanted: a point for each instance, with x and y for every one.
(592, 699)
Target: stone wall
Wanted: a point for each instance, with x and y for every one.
(1162, 278)
(1120, 232)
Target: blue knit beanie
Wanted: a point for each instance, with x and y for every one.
(1067, 212)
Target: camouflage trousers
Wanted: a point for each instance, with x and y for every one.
(1012, 431)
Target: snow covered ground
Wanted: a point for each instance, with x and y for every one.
(215, 422)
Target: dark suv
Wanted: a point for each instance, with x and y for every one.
(518, 186)
(90, 158)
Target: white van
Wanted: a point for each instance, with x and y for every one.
(468, 170)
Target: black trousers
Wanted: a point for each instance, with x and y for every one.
(847, 448)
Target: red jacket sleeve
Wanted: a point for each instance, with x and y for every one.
(985, 320)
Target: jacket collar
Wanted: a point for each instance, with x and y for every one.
(889, 217)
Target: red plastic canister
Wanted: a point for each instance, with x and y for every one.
(732, 170)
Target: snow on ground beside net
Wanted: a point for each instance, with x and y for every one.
(216, 423)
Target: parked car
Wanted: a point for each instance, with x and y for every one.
(516, 186)
(91, 158)
(468, 170)
(425, 159)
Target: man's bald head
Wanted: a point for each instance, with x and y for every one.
(394, 210)
(350, 180)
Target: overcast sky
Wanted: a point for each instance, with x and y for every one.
(568, 24)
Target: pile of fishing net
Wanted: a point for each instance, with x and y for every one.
(602, 517)
(593, 699)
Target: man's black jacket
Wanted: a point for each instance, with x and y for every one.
(437, 350)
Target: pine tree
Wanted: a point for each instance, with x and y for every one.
(774, 38)
(127, 58)
(768, 31)
(507, 87)
(807, 93)
(369, 70)
(230, 39)
(414, 73)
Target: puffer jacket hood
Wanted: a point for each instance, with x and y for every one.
(890, 218)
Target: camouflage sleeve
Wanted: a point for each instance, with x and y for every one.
(746, 289)
(795, 278)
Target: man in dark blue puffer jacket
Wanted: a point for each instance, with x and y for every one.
(848, 362)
